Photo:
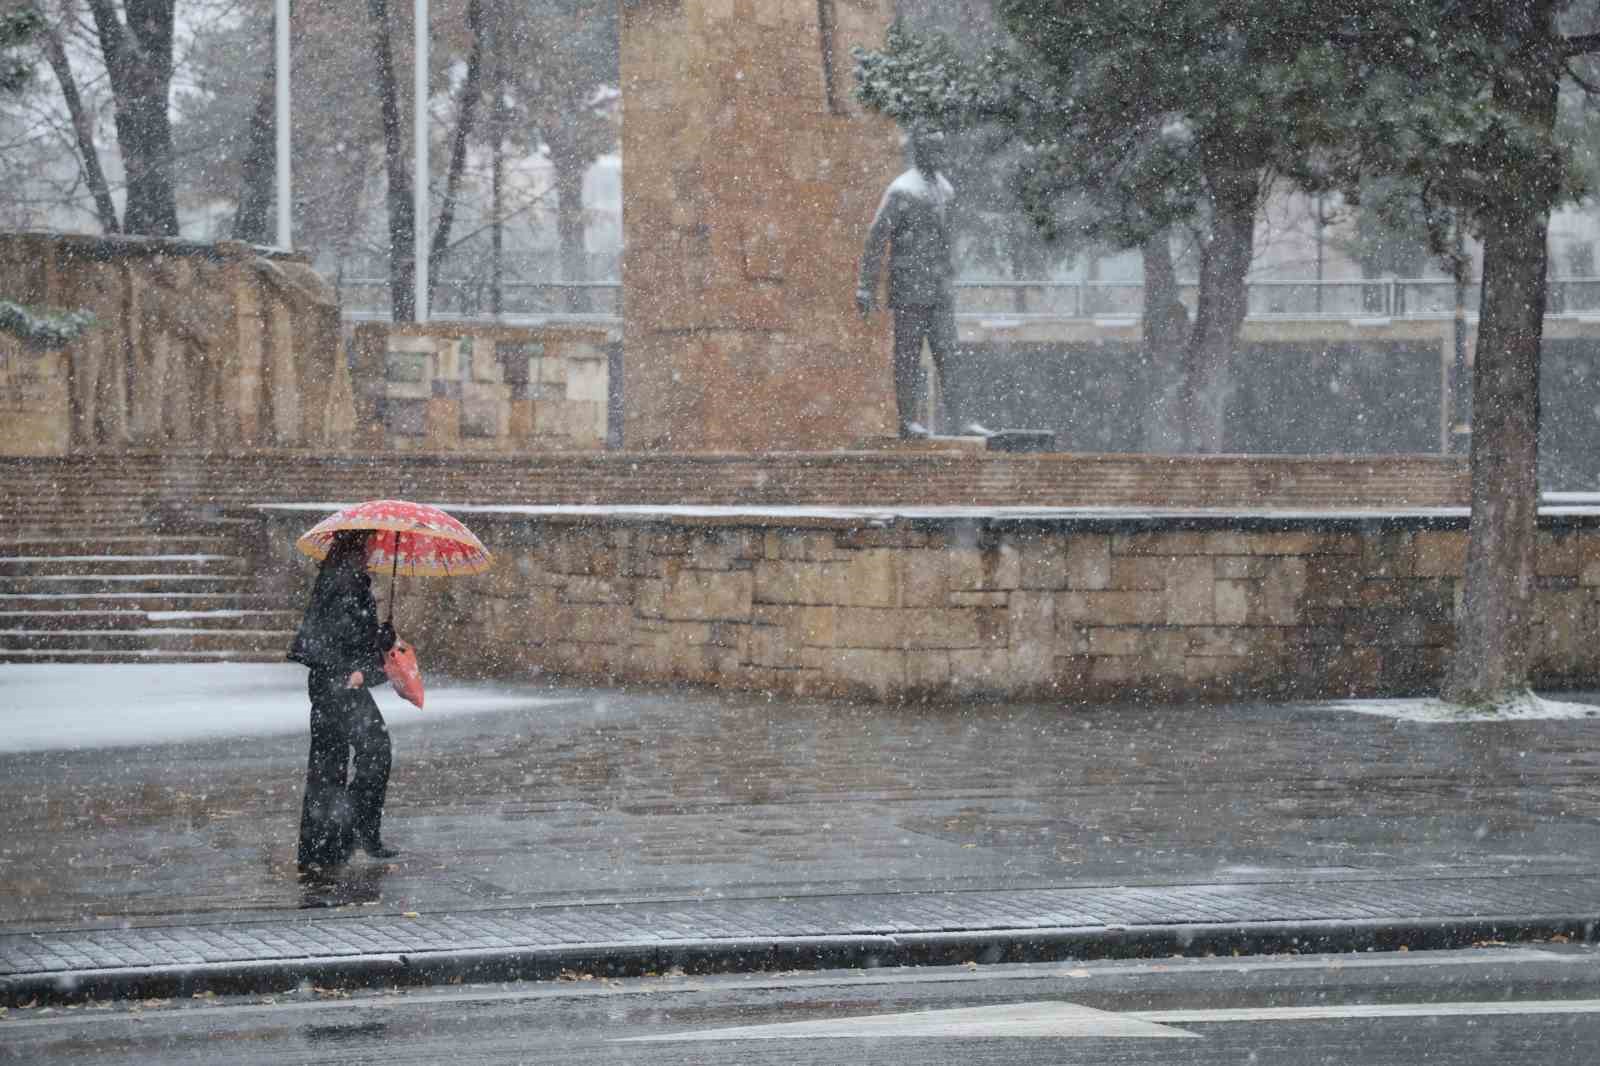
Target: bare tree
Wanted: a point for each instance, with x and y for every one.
(257, 169)
(466, 114)
(402, 216)
(138, 58)
(82, 130)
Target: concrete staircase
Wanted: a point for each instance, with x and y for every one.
(102, 597)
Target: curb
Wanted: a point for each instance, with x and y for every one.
(634, 959)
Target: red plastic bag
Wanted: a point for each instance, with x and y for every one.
(400, 663)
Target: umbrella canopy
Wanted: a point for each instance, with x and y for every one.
(417, 540)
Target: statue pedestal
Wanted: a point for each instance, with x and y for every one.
(1021, 440)
(924, 444)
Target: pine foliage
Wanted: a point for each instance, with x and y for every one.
(35, 328)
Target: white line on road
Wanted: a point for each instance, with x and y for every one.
(1056, 1020)
(1370, 1010)
(1037, 1020)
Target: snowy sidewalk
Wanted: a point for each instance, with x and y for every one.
(152, 812)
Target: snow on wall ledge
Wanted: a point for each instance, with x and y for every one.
(1099, 605)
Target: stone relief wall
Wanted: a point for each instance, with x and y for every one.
(195, 344)
(447, 387)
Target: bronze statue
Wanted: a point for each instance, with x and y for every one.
(913, 222)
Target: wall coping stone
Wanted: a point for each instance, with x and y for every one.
(1561, 511)
(121, 246)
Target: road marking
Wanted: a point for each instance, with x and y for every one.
(1066, 1020)
(1051, 1019)
(1003, 974)
(1370, 1010)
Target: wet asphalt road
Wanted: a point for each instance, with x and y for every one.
(1471, 1008)
(661, 795)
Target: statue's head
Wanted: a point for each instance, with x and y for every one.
(928, 148)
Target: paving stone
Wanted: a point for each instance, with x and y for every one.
(746, 920)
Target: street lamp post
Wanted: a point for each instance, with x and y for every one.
(419, 189)
(281, 100)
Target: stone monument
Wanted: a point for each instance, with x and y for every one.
(752, 175)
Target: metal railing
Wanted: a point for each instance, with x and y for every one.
(368, 298)
(473, 298)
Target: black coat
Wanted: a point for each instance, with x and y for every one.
(340, 633)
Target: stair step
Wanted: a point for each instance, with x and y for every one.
(68, 620)
(147, 601)
(122, 544)
(61, 655)
(108, 564)
(155, 638)
(159, 582)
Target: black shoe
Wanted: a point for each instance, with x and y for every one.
(380, 850)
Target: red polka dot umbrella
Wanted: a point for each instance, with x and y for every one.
(416, 540)
(413, 539)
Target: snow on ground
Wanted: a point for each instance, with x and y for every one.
(50, 706)
(1527, 707)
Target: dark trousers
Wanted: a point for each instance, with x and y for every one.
(913, 325)
(336, 815)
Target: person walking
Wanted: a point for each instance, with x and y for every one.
(343, 644)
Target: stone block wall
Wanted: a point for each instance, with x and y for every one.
(752, 177)
(35, 400)
(194, 345)
(1079, 609)
(457, 387)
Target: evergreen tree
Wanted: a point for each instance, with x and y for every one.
(1461, 98)
(17, 28)
(1142, 115)
(35, 328)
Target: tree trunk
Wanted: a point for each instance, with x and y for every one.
(570, 166)
(257, 170)
(145, 136)
(1493, 624)
(83, 132)
(497, 255)
(1164, 324)
(402, 216)
(471, 89)
(138, 59)
(498, 121)
(1219, 309)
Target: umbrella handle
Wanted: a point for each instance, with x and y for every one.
(394, 571)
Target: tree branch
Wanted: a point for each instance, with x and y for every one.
(83, 132)
(1583, 83)
(1582, 44)
(116, 41)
